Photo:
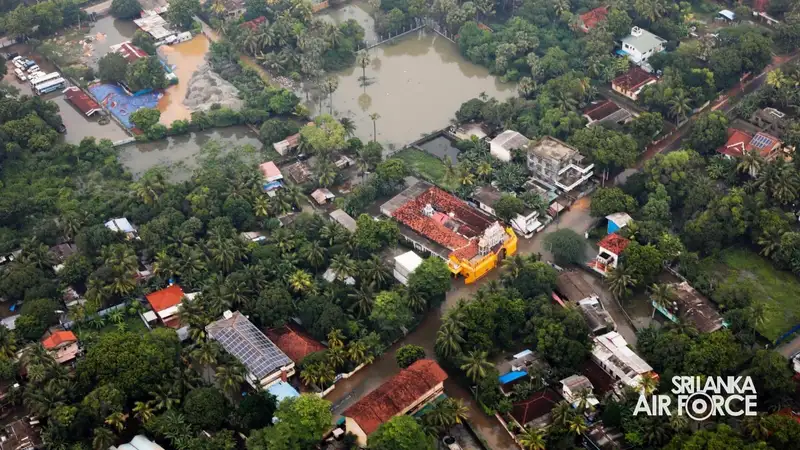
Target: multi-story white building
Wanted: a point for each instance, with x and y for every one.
(557, 165)
(612, 354)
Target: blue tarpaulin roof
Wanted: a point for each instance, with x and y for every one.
(512, 376)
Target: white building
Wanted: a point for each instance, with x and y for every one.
(574, 385)
(557, 165)
(641, 45)
(612, 354)
(501, 146)
(121, 225)
(526, 223)
(405, 264)
(610, 248)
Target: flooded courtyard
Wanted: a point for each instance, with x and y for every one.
(179, 153)
(415, 84)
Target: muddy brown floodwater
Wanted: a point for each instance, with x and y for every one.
(184, 59)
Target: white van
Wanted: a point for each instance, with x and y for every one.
(171, 39)
(183, 37)
(20, 75)
(34, 68)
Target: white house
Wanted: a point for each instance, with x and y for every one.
(641, 45)
(501, 146)
(405, 264)
(574, 385)
(612, 354)
(607, 258)
(526, 223)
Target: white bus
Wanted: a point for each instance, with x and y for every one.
(50, 86)
(43, 78)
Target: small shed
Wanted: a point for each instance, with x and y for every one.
(344, 219)
(405, 264)
(322, 196)
(727, 14)
(270, 171)
(617, 221)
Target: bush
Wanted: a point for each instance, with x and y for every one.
(408, 354)
(36, 316)
(206, 408)
(566, 246)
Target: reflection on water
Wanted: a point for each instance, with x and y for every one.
(180, 152)
(108, 31)
(441, 147)
(415, 84)
(184, 58)
(358, 11)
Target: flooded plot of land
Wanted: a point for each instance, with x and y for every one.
(358, 11)
(184, 58)
(180, 153)
(86, 47)
(415, 84)
(78, 125)
(441, 147)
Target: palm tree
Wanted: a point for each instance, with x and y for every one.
(8, 343)
(416, 301)
(648, 383)
(531, 439)
(750, 162)
(649, 9)
(757, 426)
(230, 377)
(577, 425)
(484, 170)
(343, 266)
(38, 255)
(143, 411)
(335, 338)
(357, 351)
(476, 365)
(44, 401)
(451, 173)
(562, 414)
(619, 281)
(261, 206)
(449, 339)
(207, 353)
(757, 313)
(165, 398)
(300, 281)
(326, 172)
(679, 106)
(526, 87)
(777, 79)
(363, 60)
(117, 420)
(71, 224)
(584, 400)
(561, 6)
(348, 125)
(103, 438)
(314, 254)
(374, 118)
(662, 296)
(374, 271)
(329, 87)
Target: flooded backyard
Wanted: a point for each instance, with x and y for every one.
(415, 84)
(180, 153)
(184, 58)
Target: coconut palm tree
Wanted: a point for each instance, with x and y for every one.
(531, 439)
(374, 271)
(449, 339)
(662, 296)
(679, 105)
(363, 61)
(416, 301)
(300, 281)
(757, 313)
(71, 224)
(619, 281)
(649, 9)
(577, 425)
(374, 118)
(314, 253)
(261, 206)
(165, 398)
(207, 353)
(343, 266)
(648, 384)
(8, 343)
(750, 163)
(143, 411)
(476, 365)
(335, 337)
(45, 400)
(37, 255)
(526, 87)
(584, 401)
(103, 438)
(562, 414)
(364, 297)
(348, 125)
(757, 426)
(484, 170)
(325, 171)
(357, 351)
(117, 420)
(230, 377)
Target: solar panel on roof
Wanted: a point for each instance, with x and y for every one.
(249, 345)
(760, 141)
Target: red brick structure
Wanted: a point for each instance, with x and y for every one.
(294, 343)
(592, 18)
(631, 83)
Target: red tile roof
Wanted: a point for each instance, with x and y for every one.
(83, 102)
(165, 298)
(740, 142)
(396, 395)
(601, 110)
(58, 338)
(269, 170)
(593, 17)
(614, 243)
(253, 24)
(633, 79)
(536, 406)
(295, 344)
(131, 52)
(471, 222)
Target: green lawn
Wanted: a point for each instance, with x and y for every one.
(425, 165)
(776, 289)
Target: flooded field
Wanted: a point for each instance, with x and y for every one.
(78, 125)
(87, 46)
(184, 58)
(414, 84)
(179, 153)
(440, 147)
(358, 11)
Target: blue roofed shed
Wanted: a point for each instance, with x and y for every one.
(617, 221)
(512, 376)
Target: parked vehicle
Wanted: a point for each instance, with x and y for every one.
(183, 37)
(20, 74)
(50, 86)
(33, 68)
(42, 77)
